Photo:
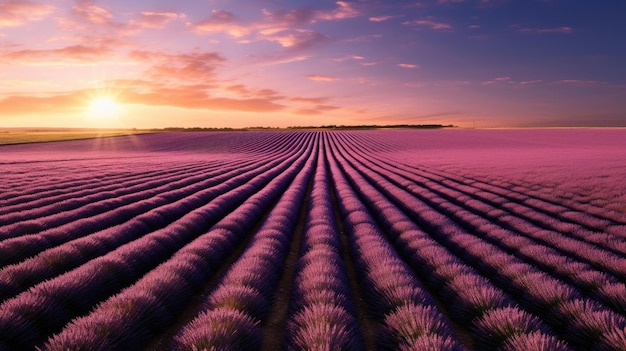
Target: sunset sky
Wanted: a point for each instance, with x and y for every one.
(235, 63)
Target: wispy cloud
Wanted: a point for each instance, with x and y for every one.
(530, 82)
(581, 82)
(408, 65)
(305, 15)
(381, 18)
(344, 10)
(349, 58)
(429, 22)
(306, 100)
(193, 66)
(222, 21)
(498, 80)
(321, 78)
(155, 19)
(74, 54)
(315, 110)
(90, 12)
(439, 84)
(87, 16)
(510, 81)
(292, 38)
(562, 30)
(18, 12)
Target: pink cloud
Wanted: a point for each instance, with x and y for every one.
(349, 58)
(246, 91)
(531, 82)
(506, 80)
(274, 21)
(509, 81)
(321, 78)
(316, 110)
(88, 11)
(180, 67)
(429, 22)
(155, 19)
(292, 38)
(407, 65)
(344, 10)
(314, 101)
(305, 15)
(290, 17)
(440, 84)
(380, 18)
(66, 55)
(18, 12)
(222, 21)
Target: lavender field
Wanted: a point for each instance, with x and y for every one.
(308, 240)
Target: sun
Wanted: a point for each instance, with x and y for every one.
(104, 107)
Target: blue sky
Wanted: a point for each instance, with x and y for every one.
(214, 63)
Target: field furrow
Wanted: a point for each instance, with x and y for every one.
(309, 240)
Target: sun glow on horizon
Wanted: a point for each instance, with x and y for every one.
(104, 107)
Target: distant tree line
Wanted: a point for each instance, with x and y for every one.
(326, 127)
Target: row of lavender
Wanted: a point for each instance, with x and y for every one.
(67, 269)
(568, 278)
(384, 255)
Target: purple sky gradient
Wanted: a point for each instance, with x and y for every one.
(217, 63)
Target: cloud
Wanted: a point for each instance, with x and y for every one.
(439, 84)
(506, 80)
(19, 105)
(429, 22)
(304, 100)
(530, 82)
(17, 13)
(246, 91)
(305, 15)
(192, 66)
(292, 38)
(289, 59)
(67, 55)
(185, 97)
(580, 82)
(317, 110)
(562, 30)
(380, 18)
(510, 81)
(221, 21)
(154, 19)
(321, 78)
(344, 10)
(88, 11)
(407, 65)
(349, 58)
(189, 97)
(290, 17)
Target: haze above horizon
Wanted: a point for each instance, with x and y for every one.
(278, 63)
